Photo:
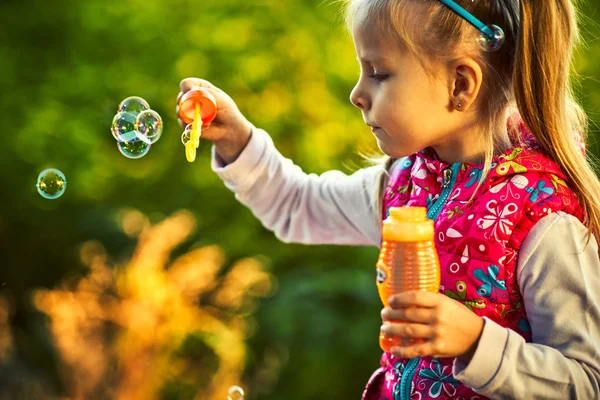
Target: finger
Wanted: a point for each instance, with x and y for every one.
(413, 314)
(414, 298)
(190, 83)
(408, 330)
(418, 350)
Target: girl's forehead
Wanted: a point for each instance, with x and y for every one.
(372, 44)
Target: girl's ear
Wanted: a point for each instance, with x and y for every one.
(464, 83)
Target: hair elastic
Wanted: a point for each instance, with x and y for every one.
(493, 36)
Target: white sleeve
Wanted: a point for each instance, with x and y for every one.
(333, 208)
(559, 278)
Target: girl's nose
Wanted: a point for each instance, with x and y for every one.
(358, 98)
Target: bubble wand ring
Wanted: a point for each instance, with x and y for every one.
(493, 35)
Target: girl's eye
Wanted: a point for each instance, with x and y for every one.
(379, 77)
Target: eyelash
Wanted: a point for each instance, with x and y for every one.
(379, 77)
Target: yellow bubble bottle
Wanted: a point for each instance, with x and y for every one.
(407, 260)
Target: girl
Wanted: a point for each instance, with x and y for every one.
(515, 204)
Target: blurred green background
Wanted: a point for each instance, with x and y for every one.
(65, 66)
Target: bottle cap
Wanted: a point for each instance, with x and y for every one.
(408, 224)
(187, 106)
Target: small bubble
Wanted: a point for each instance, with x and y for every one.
(134, 148)
(235, 393)
(133, 104)
(51, 183)
(492, 40)
(185, 137)
(149, 126)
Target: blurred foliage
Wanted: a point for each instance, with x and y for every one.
(129, 332)
(64, 67)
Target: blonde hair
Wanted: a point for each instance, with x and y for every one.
(532, 69)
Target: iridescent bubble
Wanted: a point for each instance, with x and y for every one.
(235, 393)
(185, 137)
(134, 148)
(149, 126)
(123, 126)
(51, 183)
(492, 40)
(133, 104)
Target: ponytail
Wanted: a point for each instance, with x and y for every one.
(547, 37)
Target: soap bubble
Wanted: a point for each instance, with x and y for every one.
(133, 148)
(123, 126)
(489, 42)
(148, 126)
(51, 183)
(185, 137)
(235, 393)
(133, 104)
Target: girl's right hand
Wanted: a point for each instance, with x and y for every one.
(230, 131)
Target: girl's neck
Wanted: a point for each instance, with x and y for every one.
(469, 146)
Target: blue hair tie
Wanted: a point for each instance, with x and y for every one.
(491, 37)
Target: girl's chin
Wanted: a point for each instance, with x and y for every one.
(392, 151)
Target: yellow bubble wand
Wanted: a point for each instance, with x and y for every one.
(194, 142)
(191, 107)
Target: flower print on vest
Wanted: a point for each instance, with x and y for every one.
(504, 167)
(468, 248)
(511, 188)
(496, 225)
(461, 294)
(390, 379)
(456, 211)
(492, 287)
(420, 170)
(508, 257)
(439, 379)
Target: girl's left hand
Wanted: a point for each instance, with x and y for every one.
(449, 329)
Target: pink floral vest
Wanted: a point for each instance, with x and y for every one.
(478, 245)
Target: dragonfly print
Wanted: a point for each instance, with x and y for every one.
(505, 166)
(492, 286)
(461, 294)
(539, 188)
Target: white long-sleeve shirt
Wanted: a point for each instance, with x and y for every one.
(558, 275)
